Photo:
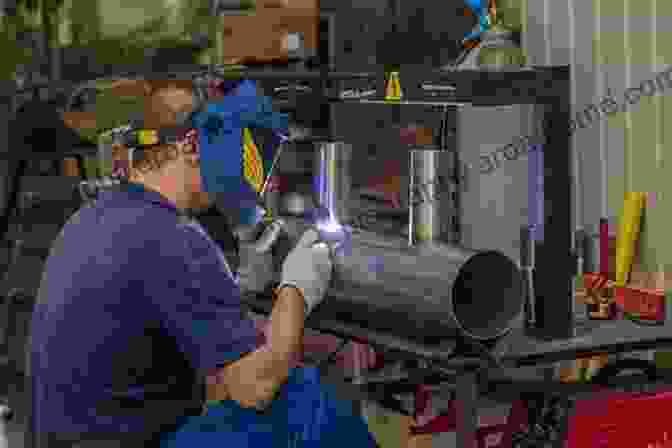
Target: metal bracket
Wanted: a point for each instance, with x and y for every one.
(466, 395)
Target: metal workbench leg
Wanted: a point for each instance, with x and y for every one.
(466, 410)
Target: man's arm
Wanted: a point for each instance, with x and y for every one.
(254, 380)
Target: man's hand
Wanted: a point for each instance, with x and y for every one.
(308, 267)
(237, 382)
(255, 379)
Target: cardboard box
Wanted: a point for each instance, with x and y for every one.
(263, 36)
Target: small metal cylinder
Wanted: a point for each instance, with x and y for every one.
(105, 159)
(591, 254)
(527, 263)
(527, 247)
(424, 211)
(272, 195)
(257, 266)
(332, 182)
(269, 236)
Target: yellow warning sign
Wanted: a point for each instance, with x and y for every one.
(393, 88)
(253, 164)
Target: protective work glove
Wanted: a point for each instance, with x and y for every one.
(308, 267)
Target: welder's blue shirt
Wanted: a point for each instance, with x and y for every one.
(134, 307)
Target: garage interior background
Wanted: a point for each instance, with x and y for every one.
(611, 45)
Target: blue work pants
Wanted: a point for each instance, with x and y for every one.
(306, 414)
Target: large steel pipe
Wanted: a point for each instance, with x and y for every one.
(423, 292)
(427, 291)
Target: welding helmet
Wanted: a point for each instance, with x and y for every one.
(232, 166)
(231, 172)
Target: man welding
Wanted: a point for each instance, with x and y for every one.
(138, 309)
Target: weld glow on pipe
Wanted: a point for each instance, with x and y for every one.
(332, 181)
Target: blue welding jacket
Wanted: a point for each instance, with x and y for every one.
(220, 127)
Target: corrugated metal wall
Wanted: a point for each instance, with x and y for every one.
(613, 45)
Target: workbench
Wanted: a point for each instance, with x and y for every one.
(475, 377)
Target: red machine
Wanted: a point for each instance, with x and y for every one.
(622, 420)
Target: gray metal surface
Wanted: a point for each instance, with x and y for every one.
(494, 205)
(467, 411)
(592, 337)
(425, 292)
(332, 179)
(426, 217)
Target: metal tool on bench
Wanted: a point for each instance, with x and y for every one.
(527, 252)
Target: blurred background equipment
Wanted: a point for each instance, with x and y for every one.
(93, 38)
(498, 50)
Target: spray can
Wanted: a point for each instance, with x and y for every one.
(272, 195)
(269, 236)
